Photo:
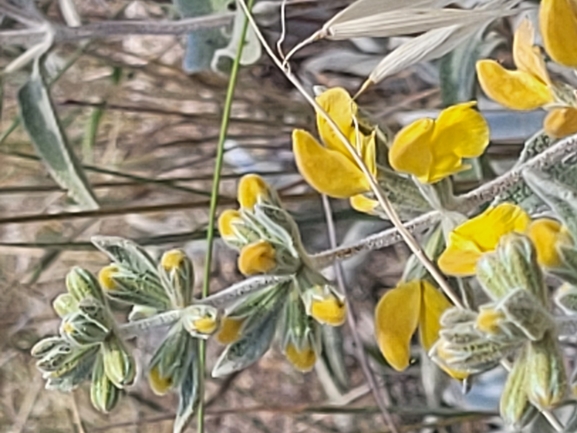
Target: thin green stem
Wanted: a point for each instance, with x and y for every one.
(214, 201)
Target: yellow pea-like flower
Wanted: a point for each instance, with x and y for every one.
(158, 384)
(526, 88)
(106, 277)
(257, 258)
(561, 122)
(432, 150)
(226, 223)
(331, 169)
(302, 358)
(558, 22)
(329, 310)
(230, 330)
(480, 235)
(251, 189)
(398, 314)
(546, 234)
(172, 259)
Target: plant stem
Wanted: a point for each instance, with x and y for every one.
(214, 203)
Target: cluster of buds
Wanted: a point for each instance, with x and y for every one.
(269, 243)
(88, 345)
(517, 322)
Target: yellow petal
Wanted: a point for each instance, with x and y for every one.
(517, 90)
(558, 22)
(411, 149)
(158, 384)
(441, 353)
(230, 330)
(106, 277)
(303, 359)
(341, 109)
(226, 223)
(433, 306)
(396, 319)
(172, 260)
(489, 320)
(480, 235)
(329, 311)
(364, 204)
(257, 258)
(561, 122)
(527, 57)
(327, 171)
(205, 325)
(250, 188)
(546, 234)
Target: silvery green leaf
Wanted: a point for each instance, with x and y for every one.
(171, 357)
(67, 380)
(333, 355)
(139, 312)
(53, 354)
(64, 304)
(568, 271)
(433, 245)
(62, 366)
(253, 344)
(457, 69)
(43, 126)
(402, 193)
(188, 392)
(565, 297)
(561, 198)
(82, 284)
(177, 276)
(45, 345)
(103, 394)
(119, 364)
(125, 253)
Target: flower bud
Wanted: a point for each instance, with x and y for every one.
(82, 330)
(177, 273)
(303, 358)
(200, 321)
(159, 384)
(119, 365)
(257, 258)
(64, 304)
(546, 235)
(515, 408)
(230, 330)
(103, 394)
(253, 189)
(82, 284)
(325, 305)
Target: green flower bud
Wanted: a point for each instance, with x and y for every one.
(525, 311)
(119, 365)
(177, 275)
(515, 408)
(44, 346)
(167, 366)
(82, 330)
(103, 394)
(64, 304)
(82, 284)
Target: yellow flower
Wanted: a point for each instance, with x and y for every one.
(253, 189)
(480, 235)
(431, 149)
(159, 385)
(530, 87)
(227, 221)
(325, 305)
(106, 277)
(230, 330)
(257, 258)
(172, 259)
(526, 88)
(302, 358)
(546, 234)
(363, 204)
(398, 314)
(332, 170)
(558, 22)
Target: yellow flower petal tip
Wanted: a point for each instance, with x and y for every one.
(230, 330)
(517, 90)
(561, 122)
(558, 23)
(433, 305)
(172, 259)
(480, 235)
(328, 171)
(227, 221)
(158, 384)
(106, 277)
(489, 320)
(546, 234)
(303, 359)
(251, 188)
(257, 258)
(329, 311)
(432, 150)
(360, 203)
(205, 325)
